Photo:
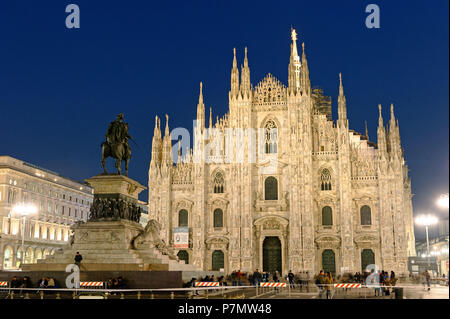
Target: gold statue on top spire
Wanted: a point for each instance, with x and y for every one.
(293, 34)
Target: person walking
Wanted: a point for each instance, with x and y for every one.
(329, 282)
(320, 280)
(428, 280)
(276, 278)
(233, 278)
(306, 280)
(239, 277)
(291, 279)
(78, 258)
(15, 283)
(26, 283)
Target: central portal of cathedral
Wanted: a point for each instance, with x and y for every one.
(272, 255)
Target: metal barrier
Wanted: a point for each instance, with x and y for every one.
(216, 291)
(273, 284)
(207, 284)
(347, 285)
(93, 284)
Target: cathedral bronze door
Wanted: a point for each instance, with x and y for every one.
(272, 254)
(328, 261)
(367, 258)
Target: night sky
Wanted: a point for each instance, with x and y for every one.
(59, 87)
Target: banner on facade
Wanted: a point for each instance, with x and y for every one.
(181, 237)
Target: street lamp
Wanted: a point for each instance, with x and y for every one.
(443, 201)
(427, 220)
(24, 210)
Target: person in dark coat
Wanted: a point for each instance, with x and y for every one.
(78, 258)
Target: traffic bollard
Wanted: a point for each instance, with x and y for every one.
(172, 295)
(139, 295)
(42, 294)
(58, 296)
(74, 295)
(27, 295)
(122, 295)
(12, 295)
(152, 296)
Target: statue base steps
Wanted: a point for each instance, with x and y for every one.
(107, 245)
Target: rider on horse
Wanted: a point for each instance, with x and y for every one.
(116, 144)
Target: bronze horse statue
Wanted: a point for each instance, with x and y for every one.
(120, 152)
(116, 144)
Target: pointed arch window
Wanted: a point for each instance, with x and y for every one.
(366, 215)
(325, 179)
(271, 188)
(327, 216)
(271, 137)
(183, 218)
(219, 182)
(218, 218)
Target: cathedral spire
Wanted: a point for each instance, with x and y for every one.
(367, 132)
(156, 144)
(381, 135)
(245, 77)
(394, 135)
(305, 83)
(380, 117)
(155, 131)
(167, 145)
(342, 104)
(201, 109)
(210, 117)
(392, 122)
(234, 76)
(167, 132)
(294, 64)
(179, 160)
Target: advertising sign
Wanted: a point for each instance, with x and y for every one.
(181, 237)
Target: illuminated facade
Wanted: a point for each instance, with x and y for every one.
(333, 201)
(60, 202)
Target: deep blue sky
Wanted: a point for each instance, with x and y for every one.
(60, 88)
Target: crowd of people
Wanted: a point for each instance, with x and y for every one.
(116, 283)
(25, 282)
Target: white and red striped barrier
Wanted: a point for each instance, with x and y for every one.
(3, 284)
(347, 285)
(206, 284)
(91, 283)
(272, 284)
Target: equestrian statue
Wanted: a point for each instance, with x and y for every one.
(116, 144)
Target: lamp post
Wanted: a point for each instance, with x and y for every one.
(443, 201)
(24, 210)
(427, 220)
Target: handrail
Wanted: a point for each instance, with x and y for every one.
(190, 289)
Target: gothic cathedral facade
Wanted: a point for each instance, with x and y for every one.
(314, 195)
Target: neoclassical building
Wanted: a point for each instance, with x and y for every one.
(296, 190)
(59, 202)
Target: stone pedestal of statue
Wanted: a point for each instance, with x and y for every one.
(112, 238)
